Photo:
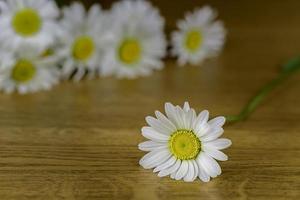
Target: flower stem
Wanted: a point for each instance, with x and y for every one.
(288, 69)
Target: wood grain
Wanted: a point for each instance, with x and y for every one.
(79, 141)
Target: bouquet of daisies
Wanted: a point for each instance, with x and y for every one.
(41, 44)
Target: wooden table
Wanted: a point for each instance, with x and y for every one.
(79, 141)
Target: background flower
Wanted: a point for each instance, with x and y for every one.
(199, 36)
(83, 40)
(28, 22)
(140, 42)
(27, 70)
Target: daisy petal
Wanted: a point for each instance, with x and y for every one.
(171, 113)
(196, 169)
(182, 171)
(201, 122)
(172, 176)
(203, 175)
(219, 144)
(166, 164)
(190, 173)
(158, 126)
(170, 170)
(202, 117)
(217, 122)
(212, 134)
(150, 146)
(189, 119)
(151, 134)
(154, 158)
(164, 120)
(180, 116)
(216, 154)
(208, 164)
(186, 106)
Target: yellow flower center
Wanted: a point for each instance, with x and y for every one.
(83, 48)
(193, 40)
(130, 51)
(23, 71)
(184, 144)
(26, 22)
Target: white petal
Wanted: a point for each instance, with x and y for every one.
(166, 164)
(203, 175)
(202, 129)
(185, 120)
(212, 134)
(202, 117)
(190, 173)
(218, 155)
(186, 106)
(194, 116)
(154, 158)
(200, 122)
(165, 121)
(150, 146)
(221, 143)
(189, 117)
(182, 171)
(179, 117)
(151, 134)
(172, 176)
(170, 170)
(217, 122)
(196, 169)
(158, 126)
(210, 166)
(171, 114)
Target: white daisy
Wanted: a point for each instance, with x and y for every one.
(82, 41)
(139, 43)
(199, 37)
(29, 69)
(27, 22)
(184, 145)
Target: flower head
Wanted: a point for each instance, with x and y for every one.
(199, 37)
(28, 22)
(83, 38)
(139, 42)
(184, 145)
(27, 69)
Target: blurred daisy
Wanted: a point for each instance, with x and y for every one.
(84, 35)
(184, 145)
(139, 43)
(27, 21)
(199, 37)
(27, 70)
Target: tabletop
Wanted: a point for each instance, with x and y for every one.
(79, 140)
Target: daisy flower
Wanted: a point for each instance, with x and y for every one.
(82, 39)
(199, 37)
(139, 43)
(29, 69)
(184, 145)
(27, 21)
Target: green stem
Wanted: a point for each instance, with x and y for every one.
(288, 69)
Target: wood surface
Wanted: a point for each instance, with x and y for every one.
(79, 141)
